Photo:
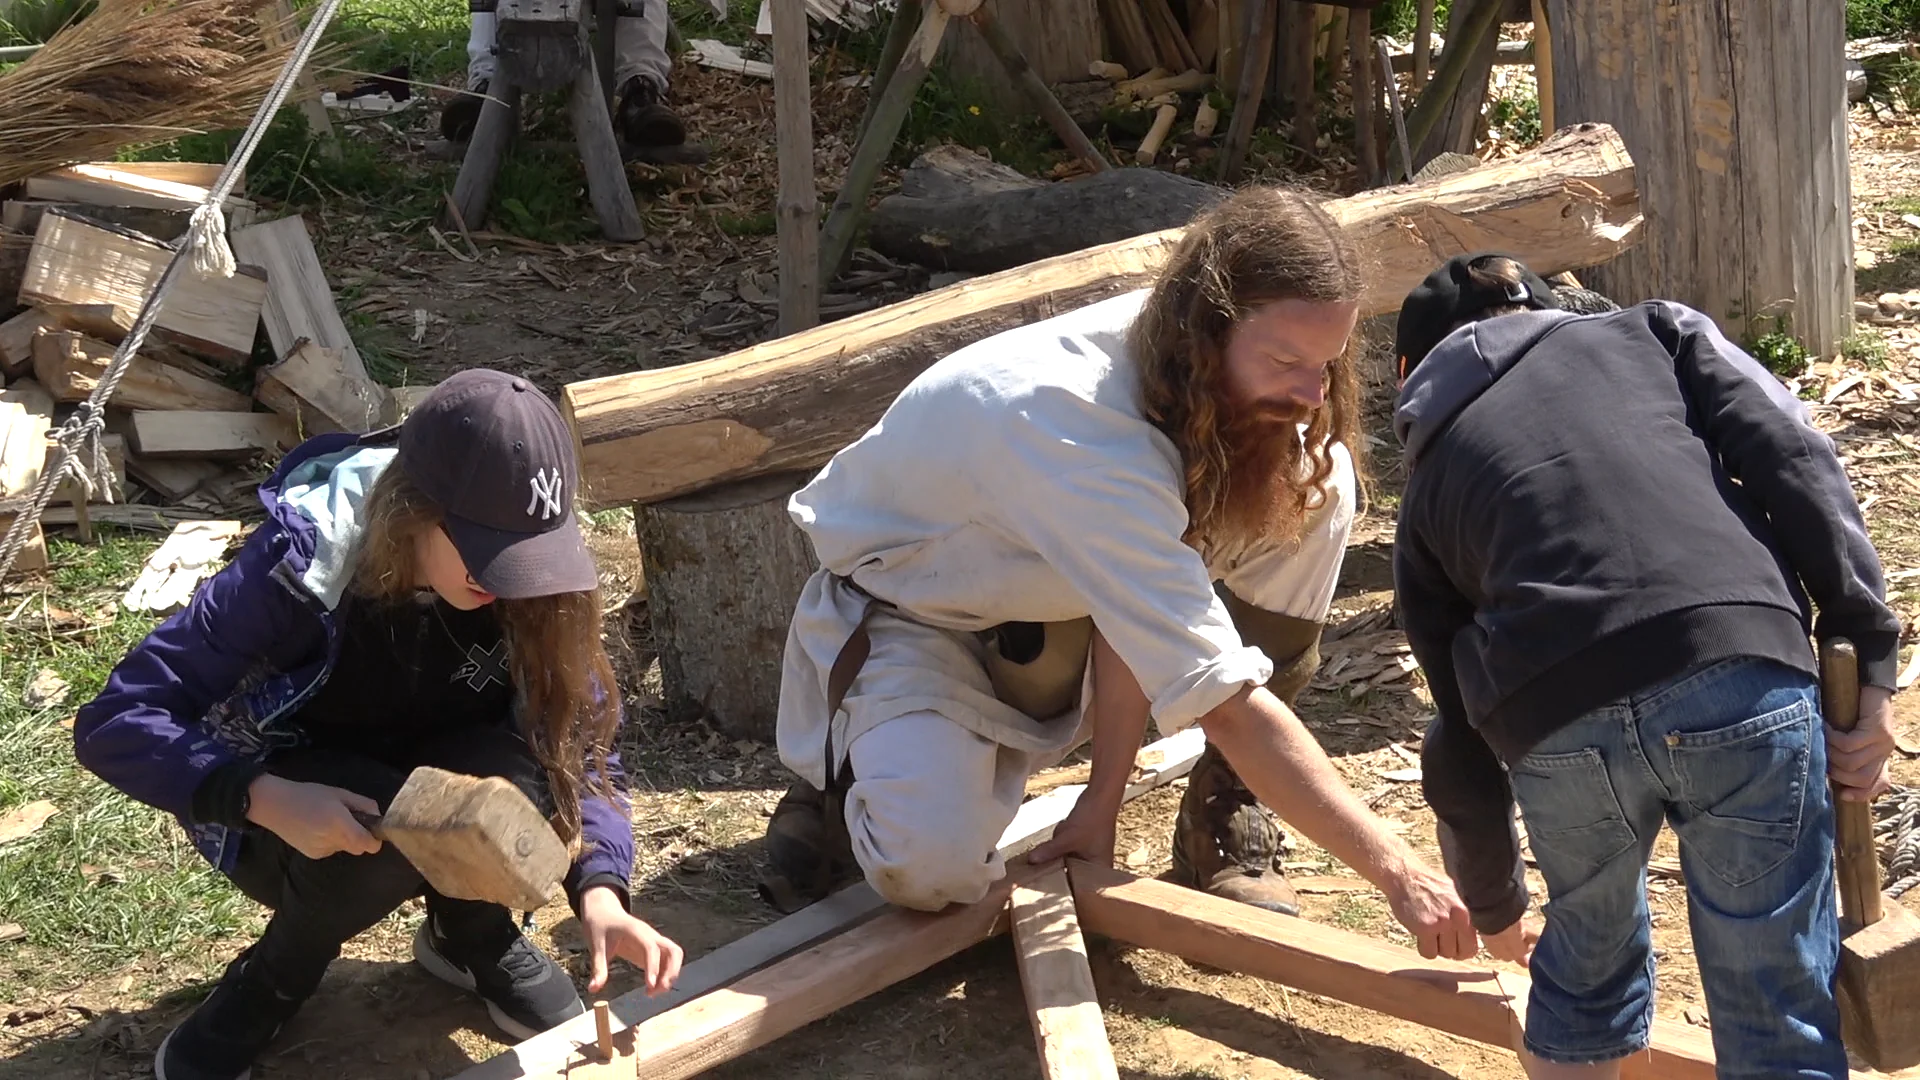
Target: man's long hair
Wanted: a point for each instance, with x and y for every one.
(1260, 245)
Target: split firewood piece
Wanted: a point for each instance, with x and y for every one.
(23, 454)
(113, 184)
(1186, 82)
(299, 303)
(172, 480)
(74, 262)
(209, 435)
(16, 341)
(191, 554)
(110, 324)
(1205, 119)
(1061, 1002)
(166, 226)
(1107, 69)
(1128, 86)
(1162, 125)
(70, 365)
(316, 389)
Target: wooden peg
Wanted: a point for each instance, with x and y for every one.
(603, 1030)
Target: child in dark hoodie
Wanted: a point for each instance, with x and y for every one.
(417, 596)
(1612, 530)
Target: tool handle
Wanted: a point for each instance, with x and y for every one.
(369, 822)
(1856, 865)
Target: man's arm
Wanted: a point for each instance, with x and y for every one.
(1120, 714)
(1459, 773)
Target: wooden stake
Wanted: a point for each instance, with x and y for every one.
(797, 213)
(607, 186)
(473, 188)
(603, 1030)
(1037, 93)
(1359, 40)
(1399, 118)
(900, 30)
(1162, 124)
(1543, 65)
(1263, 21)
(1061, 1002)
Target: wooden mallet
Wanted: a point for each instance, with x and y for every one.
(473, 838)
(1880, 939)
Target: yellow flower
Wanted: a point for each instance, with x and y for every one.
(974, 109)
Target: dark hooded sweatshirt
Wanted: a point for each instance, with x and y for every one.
(1594, 505)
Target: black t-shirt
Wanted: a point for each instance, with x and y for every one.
(407, 670)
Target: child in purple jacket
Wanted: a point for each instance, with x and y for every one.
(417, 596)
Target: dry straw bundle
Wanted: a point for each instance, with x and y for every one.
(138, 71)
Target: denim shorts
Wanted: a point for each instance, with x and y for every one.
(1733, 756)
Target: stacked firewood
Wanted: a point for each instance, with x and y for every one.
(235, 371)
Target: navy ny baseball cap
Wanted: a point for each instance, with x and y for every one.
(494, 453)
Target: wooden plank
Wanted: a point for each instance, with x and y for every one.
(192, 553)
(172, 480)
(70, 365)
(209, 435)
(109, 184)
(793, 402)
(145, 518)
(1061, 1003)
(1157, 764)
(16, 341)
(299, 303)
(796, 211)
(1457, 998)
(313, 388)
(74, 262)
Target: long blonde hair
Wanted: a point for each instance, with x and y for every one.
(1259, 245)
(558, 661)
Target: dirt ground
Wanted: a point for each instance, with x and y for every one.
(702, 800)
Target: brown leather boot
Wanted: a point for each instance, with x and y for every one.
(1226, 843)
(808, 852)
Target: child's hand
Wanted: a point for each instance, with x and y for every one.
(613, 931)
(314, 819)
(1515, 943)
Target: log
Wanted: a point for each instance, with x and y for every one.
(69, 365)
(1203, 30)
(1360, 67)
(300, 305)
(792, 403)
(1741, 123)
(473, 188)
(234, 436)
(1543, 64)
(1008, 228)
(1422, 59)
(314, 388)
(724, 570)
(1460, 999)
(1058, 984)
(1150, 146)
(74, 262)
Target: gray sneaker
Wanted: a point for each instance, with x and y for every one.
(525, 991)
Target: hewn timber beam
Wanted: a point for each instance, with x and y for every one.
(794, 402)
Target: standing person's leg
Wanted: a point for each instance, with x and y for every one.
(641, 72)
(1592, 809)
(458, 119)
(1744, 749)
(318, 905)
(476, 945)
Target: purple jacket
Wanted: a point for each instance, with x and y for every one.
(219, 681)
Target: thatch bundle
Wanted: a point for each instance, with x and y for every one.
(138, 71)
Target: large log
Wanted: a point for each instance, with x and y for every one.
(724, 569)
(792, 403)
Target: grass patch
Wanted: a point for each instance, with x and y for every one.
(1354, 913)
(1776, 348)
(107, 877)
(1866, 346)
(1897, 271)
(1871, 18)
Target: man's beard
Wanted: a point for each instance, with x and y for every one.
(1266, 486)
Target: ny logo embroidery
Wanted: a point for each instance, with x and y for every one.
(546, 494)
(483, 666)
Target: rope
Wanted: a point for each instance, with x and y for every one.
(1896, 832)
(205, 245)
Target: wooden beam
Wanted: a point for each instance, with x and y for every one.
(210, 435)
(70, 365)
(1061, 1002)
(1460, 999)
(1158, 763)
(299, 303)
(797, 206)
(794, 402)
(74, 262)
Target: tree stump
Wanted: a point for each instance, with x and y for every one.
(1736, 118)
(724, 569)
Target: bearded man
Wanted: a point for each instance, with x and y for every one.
(1023, 553)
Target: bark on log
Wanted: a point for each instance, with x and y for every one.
(794, 402)
(724, 569)
(996, 230)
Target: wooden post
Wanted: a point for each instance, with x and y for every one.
(1305, 130)
(1422, 43)
(876, 142)
(1737, 123)
(281, 29)
(1439, 96)
(797, 214)
(1035, 90)
(1061, 1002)
(600, 155)
(1360, 63)
(1262, 21)
(1543, 64)
(1399, 118)
(900, 30)
(724, 568)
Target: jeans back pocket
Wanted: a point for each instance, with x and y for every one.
(1572, 812)
(1743, 788)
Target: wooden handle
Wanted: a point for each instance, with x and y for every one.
(1855, 864)
(369, 822)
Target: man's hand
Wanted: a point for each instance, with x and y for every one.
(313, 819)
(1515, 943)
(613, 931)
(1857, 759)
(1426, 904)
(1086, 833)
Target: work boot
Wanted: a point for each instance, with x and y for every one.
(483, 951)
(1226, 843)
(229, 1030)
(808, 851)
(462, 114)
(643, 119)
